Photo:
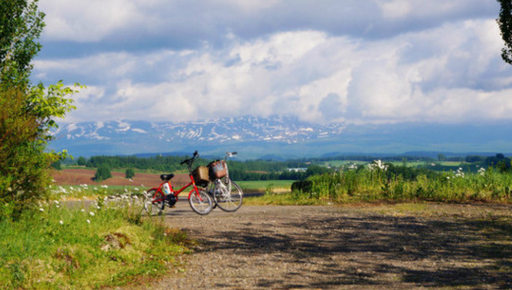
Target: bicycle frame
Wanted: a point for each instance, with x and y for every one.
(163, 196)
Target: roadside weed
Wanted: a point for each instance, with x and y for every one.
(85, 245)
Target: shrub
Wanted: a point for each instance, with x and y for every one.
(27, 112)
(81, 161)
(130, 173)
(24, 174)
(102, 173)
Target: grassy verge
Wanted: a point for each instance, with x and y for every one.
(371, 185)
(267, 186)
(281, 199)
(85, 247)
(92, 191)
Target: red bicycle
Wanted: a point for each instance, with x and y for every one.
(200, 201)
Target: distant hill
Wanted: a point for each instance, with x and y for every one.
(280, 138)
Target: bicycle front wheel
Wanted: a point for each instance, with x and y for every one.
(154, 202)
(228, 198)
(201, 202)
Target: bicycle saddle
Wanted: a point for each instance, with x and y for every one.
(166, 177)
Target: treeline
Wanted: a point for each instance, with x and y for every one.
(157, 163)
(409, 158)
(298, 169)
(238, 170)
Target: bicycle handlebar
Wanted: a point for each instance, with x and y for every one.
(231, 154)
(190, 160)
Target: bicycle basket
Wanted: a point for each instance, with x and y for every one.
(200, 175)
(218, 169)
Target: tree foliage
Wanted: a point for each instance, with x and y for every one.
(81, 161)
(129, 173)
(505, 24)
(500, 162)
(23, 163)
(21, 25)
(102, 173)
(27, 112)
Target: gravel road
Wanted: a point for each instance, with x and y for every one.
(351, 247)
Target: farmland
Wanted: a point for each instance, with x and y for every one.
(86, 176)
(143, 180)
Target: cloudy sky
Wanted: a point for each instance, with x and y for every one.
(358, 61)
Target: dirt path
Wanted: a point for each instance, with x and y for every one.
(377, 247)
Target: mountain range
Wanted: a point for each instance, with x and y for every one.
(278, 137)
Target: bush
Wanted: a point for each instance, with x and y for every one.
(130, 173)
(81, 161)
(102, 173)
(24, 174)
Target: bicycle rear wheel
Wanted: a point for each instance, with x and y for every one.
(201, 202)
(154, 202)
(227, 197)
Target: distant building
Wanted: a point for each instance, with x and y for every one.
(297, 169)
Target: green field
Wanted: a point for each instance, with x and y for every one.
(263, 186)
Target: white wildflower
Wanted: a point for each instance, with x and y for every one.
(91, 213)
(88, 221)
(41, 209)
(377, 164)
(61, 222)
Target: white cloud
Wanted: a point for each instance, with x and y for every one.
(88, 20)
(442, 69)
(250, 6)
(187, 23)
(395, 8)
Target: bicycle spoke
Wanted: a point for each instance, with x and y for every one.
(153, 203)
(227, 200)
(201, 202)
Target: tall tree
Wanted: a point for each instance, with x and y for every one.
(21, 25)
(505, 24)
(27, 112)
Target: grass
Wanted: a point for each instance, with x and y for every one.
(282, 199)
(85, 247)
(366, 185)
(92, 191)
(265, 185)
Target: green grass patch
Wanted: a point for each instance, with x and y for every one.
(85, 247)
(283, 199)
(264, 185)
(394, 185)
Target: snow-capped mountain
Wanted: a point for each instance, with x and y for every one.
(275, 136)
(129, 137)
